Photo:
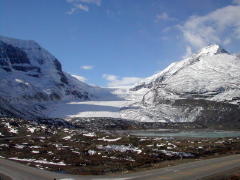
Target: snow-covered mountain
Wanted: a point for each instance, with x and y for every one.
(206, 81)
(204, 87)
(31, 78)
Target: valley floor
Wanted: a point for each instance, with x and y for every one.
(73, 150)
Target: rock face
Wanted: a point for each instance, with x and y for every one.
(30, 78)
(203, 87)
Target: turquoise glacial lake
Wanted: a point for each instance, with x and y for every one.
(186, 133)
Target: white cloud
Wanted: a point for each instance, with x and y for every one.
(188, 52)
(236, 1)
(163, 17)
(78, 7)
(219, 26)
(71, 11)
(87, 67)
(110, 77)
(97, 2)
(227, 41)
(82, 5)
(80, 78)
(115, 81)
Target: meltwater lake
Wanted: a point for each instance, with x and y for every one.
(185, 133)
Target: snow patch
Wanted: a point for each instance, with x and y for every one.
(35, 152)
(89, 134)
(109, 140)
(120, 148)
(39, 161)
(32, 129)
(18, 146)
(91, 152)
(179, 154)
(67, 138)
(11, 129)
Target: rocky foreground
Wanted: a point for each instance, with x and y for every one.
(68, 148)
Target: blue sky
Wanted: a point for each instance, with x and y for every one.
(118, 42)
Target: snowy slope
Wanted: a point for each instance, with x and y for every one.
(211, 75)
(31, 78)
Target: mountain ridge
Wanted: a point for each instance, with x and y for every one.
(203, 88)
(209, 50)
(184, 90)
(31, 77)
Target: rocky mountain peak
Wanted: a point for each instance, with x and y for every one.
(30, 75)
(211, 50)
(28, 58)
(207, 53)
